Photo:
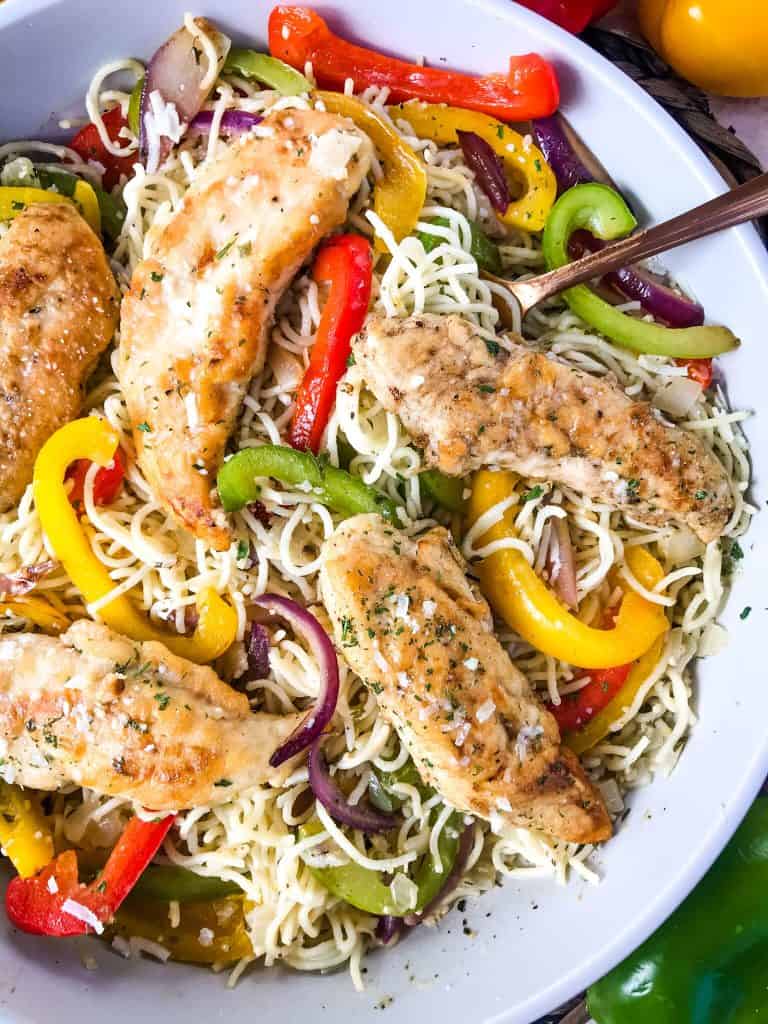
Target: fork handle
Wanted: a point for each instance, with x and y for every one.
(743, 203)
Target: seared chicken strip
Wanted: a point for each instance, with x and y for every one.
(58, 312)
(411, 625)
(195, 322)
(470, 405)
(128, 719)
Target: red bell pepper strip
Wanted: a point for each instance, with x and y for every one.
(44, 903)
(578, 708)
(572, 15)
(106, 484)
(299, 34)
(344, 263)
(88, 146)
(699, 370)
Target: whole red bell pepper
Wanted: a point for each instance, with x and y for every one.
(88, 146)
(573, 15)
(55, 903)
(106, 483)
(298, 35)
(345, 263)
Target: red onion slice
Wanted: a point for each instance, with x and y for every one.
(177, 74)
(488, 169)
(320, 715)
(561, 565)
(389, 928)
(15, 584)
(257, 652)
(366, 819)
(233, 122)
(452, 880)
(551, 139)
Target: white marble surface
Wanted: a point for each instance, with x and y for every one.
(748, 118)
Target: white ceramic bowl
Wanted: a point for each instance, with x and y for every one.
(540, 943)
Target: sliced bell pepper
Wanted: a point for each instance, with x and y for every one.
(94, 439)
(25, 835)
(106, 483)
(524, 163)
(88, 146)
(447, 491)
(345, 264)
(365, 889)
(39, 611)
(576, 709)
(485, 252)
(166, 882)
(134, 106)
(602, 211)
(14, 199)
(111, 210)
(207, 933)
(55, 903)
(599, 725)
(298, 35)
(272, 72)
(399, 196)
(532, 609)
(699, 370)
(333, 487)
(707, 963)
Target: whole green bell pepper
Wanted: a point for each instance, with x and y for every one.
(708, 964)
(601, 211)
(333, 487)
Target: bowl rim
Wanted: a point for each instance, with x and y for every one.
(675, 888)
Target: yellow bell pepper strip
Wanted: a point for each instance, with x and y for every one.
(24, 833)
(399, 196)
(39, 612)
(224, 919)
(14, 199)
(531, 608)
(597, 728)
(719, 45)
(94, 439)
(523, 164)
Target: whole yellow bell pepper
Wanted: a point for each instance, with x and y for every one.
(24, 833)
(399, 197)
(224, 919)
(523, 162)
(15, 199)
(719, 45)
(532, 609)
(94, 439)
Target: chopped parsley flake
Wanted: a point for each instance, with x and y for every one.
(348, 637)
(145, 428)
(163, 700)
(487, 389)
(534, 493)
(157, 278)
(493, 347)
(225, 249)
(745, 612)
(245, 249)
(242, 550)
(737, 552)
(223, 782)
(701, 495)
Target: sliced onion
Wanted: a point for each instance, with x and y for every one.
(320, 715)
(15, 584)
(454, 877)
(233, 122)
(561, 564)
(333, 800)
(656, 298)
(389, 928)
(677, 396)
(177, 73)
(257, 651)
(488, 168)
(551, 139)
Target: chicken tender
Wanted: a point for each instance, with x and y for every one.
(468, 405)
(412, 626)
(195, 322)
(128, 719)
(58, 312)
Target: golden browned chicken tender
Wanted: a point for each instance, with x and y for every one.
(411, 625)
(58, 312)
(128, 719)
(195, 322)
(468, 405)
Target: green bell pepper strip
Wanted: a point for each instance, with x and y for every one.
(167, 882)
(134, 106)
(364, 888)
(601, 211)
(482, 249)
(272, 72)
(447, 491)
(708, 964)
(380, 786)
(112, 210)
(333, 487)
